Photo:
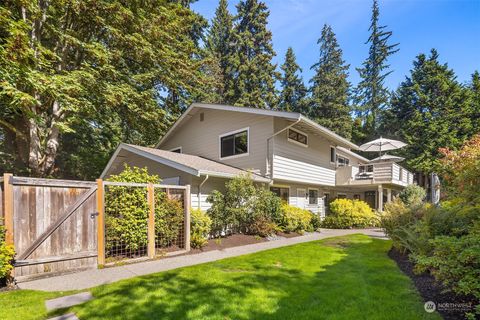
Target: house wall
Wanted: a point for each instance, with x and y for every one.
(202, 137)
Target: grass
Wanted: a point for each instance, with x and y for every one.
(347, 277)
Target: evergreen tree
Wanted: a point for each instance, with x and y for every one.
(254, 73)
(330, 88)
(292, 96)
(219, 49)
(475, 98)
(371, 96)
(431, 110)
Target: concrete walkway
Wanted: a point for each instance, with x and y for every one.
(95, 277)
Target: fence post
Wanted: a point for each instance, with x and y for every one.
(100, 223)
(8, 207)
(186, 204)
(151, 221)
(8, 211)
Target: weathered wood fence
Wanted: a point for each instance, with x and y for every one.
(58, 226)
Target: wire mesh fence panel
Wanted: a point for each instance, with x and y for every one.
(169, 220)
(126, 222)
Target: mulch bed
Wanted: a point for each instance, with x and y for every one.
(450, 305)
(236, 240)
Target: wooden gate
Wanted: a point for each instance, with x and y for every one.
(58, 226)
(51, 223)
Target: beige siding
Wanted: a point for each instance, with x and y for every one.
(202, 137)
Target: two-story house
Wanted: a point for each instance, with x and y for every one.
(304, 163)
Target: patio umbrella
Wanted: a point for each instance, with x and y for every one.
(382, 144)
(387, 157)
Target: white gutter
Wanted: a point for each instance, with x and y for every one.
(273, 135)
(199, 194)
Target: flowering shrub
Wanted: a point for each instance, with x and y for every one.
(347, 213)
(200, 224)
(296, 219)
(6, 255)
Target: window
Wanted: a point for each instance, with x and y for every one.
(312, 196)
(282, 193)
(298, 137)
(176, 150)
(342, 161)
(333, 154)
(356, 197)
(234, 144)
(341, 196)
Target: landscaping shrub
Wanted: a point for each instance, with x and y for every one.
(244, 207)
(126, 212)
(315, 222)
(296, 219)
(412, 195)
(444, 240)
(200, 226)
(7, 253)
(347, 213)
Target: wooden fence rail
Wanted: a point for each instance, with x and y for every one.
(58, 226)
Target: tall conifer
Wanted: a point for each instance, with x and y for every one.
(371, 95)
(292, 96)
(329, 87)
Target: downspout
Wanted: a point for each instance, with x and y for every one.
(199, 194)
(268, 144)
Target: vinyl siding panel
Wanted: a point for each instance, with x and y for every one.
(202, 137)
(299, 171)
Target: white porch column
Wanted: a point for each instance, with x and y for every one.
(380, 198)
(389, 195)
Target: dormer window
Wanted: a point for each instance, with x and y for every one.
(297, 137)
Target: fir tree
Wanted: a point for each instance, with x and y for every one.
(475, 98)
(292, 96)
(219, 50)
(430, 110)
(329, 87)
(254, 73)
(371, 96)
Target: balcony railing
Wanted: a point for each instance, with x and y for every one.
(387, 172)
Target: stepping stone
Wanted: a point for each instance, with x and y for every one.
(68, 301)
(68, 316)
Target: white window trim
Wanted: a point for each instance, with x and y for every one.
(341, 156)
(318, 196)
(176, 148)
(235, 155)
(330, 155)
(296, 142)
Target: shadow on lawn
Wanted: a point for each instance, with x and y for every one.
(345, 281)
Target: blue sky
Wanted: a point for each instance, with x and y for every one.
(450, 26)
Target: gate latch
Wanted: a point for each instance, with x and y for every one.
(93, 215)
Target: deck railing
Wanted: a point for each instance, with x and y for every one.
(385, 171)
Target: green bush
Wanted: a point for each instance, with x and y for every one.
(296, 219)
(412, 195)
(126, 212)
(347, 213)
(243, 207)
(7, 253)
(315, 222)
(200, 226)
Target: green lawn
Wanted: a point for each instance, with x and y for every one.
(338, 278)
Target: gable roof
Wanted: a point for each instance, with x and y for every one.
(191, 164)
(293, 116)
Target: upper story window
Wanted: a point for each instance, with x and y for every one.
(342, 161)
(297, 137)
(234, 143)
(333, 154)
